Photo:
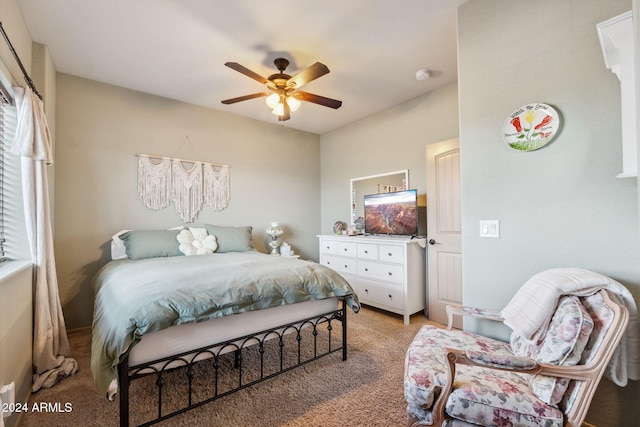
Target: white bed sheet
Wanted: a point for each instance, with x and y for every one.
(189, 336)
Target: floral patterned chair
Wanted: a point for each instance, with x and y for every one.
(457, 378)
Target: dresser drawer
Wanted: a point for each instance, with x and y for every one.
(347, 249)
(367, 251)
(391, 254)
(329, 247)
(376, 294)
(339, 264)
(386, 272)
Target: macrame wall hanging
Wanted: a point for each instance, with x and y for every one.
(162, 180)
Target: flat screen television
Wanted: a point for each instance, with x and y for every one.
(391, 213)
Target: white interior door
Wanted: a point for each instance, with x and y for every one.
(444, 231)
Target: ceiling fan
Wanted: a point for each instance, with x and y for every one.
(284, 94)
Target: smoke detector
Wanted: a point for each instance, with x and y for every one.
(422, 74)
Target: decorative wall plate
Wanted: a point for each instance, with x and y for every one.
(531, 127)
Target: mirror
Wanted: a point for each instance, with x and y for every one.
(382, 183)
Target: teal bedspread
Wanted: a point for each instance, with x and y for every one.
(136, 297)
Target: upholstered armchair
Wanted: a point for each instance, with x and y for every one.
(458, 378)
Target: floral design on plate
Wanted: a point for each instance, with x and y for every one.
(531, 127)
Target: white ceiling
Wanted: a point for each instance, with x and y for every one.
(177, 49)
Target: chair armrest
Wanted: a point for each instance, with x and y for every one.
(522, 365)
(484, 359)
(499, 361)
(463, 310)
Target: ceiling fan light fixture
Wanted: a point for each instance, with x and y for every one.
(278, 110)
(294, 104)
(272, 100)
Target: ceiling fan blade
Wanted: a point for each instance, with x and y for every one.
(310, 73)
(245, 98)
(317, 99)
(247, 72)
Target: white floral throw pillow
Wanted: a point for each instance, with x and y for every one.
(196, 241)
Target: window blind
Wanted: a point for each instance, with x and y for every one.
(2, 161)
(7, 131)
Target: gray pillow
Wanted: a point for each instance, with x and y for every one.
(231, 239)
(142, 244)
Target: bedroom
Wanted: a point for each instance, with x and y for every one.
(558, 206)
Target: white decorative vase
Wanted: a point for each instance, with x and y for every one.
(274, 231)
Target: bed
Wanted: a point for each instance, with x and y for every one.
(156, 310)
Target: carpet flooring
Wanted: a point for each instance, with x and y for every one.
(365, 390)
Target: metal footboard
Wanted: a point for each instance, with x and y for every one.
(278, 350)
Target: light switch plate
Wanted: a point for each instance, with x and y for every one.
(490, 229)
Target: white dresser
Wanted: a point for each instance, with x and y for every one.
(385, 272)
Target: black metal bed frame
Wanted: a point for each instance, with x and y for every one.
(213, 352)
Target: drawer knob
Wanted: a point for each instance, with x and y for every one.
(389, 254)
(366, 252)
(346, 266)
(390, 297)
(390, 274)
(366, 269)
(328, 262)
(366, 291)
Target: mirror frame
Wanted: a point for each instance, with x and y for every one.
(353, 209)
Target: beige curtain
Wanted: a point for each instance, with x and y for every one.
(32, 142)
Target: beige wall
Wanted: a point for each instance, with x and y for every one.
(636, 41)
(275, 176)
(44, 76)
(16, 330)
(392, 140)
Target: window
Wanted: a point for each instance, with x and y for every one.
(7, 130)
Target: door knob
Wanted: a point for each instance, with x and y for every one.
(433, 242)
